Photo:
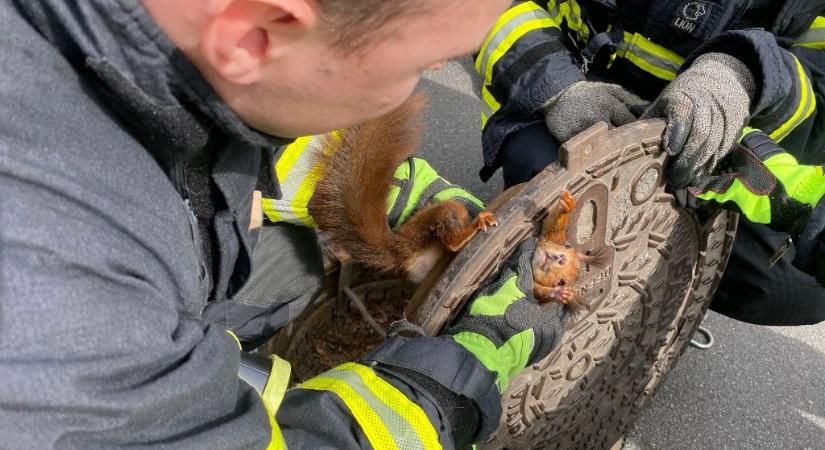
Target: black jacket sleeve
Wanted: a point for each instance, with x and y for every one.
(526, 60)
(810, 245)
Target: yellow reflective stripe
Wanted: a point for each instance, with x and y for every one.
(398, 402)
(281, 210)
(806, 106)
(814, 37)
(649, 56)
(489, 105)
(291, 154)
(272, 397)
(532, 18)
(235, 337)
(277, 440)
(503, 21)
(372, 425)
(306, 187)
(379, 408)
(746, 130)
(570, 11)
(271, 210)
(298, 170)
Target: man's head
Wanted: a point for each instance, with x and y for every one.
(298, 67)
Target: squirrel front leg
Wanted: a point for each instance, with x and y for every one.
(555, 224)
(558, 294)
(450, 222)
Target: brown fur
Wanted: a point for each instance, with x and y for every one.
(556, 263)
(349, 200)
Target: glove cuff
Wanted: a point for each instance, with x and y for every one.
(761, 144)
(448, 364)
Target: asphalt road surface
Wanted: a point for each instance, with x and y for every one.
(757, 388)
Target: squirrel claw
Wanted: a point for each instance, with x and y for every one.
(567, 202)
(485, 219)
(563, 294)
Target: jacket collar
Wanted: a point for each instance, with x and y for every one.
(149, 82)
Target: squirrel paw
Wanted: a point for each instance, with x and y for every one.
(558, 294)
(485, 219)
(563, 294)
(567, 202)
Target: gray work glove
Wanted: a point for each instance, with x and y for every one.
(706, 107)
(504, 326)
(585, 103)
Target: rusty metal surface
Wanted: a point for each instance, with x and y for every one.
(666, 265)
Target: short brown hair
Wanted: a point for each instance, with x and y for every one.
(358, 22)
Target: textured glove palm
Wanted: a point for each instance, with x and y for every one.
(585, 103)
(706, 107)
(505, 327)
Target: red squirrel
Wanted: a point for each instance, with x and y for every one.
(350, 199)
(555, 262)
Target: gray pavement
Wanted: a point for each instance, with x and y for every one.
(757, 388)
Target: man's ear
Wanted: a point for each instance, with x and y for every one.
(239, 36)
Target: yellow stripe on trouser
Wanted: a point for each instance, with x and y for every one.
(388, 418)
(814, 37)
(649, 56)
(806, 106)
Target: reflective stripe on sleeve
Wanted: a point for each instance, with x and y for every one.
(510, 27)
(388, 418)
(489, 105)
(804, 109)
(649, 56)
(814, 37)
(298, 171)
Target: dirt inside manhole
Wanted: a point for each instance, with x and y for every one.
(337, 340)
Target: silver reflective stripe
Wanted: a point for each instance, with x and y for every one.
(649, 57)
(812, 37)
(486, 111)
(401, 430)
(505, 30)
(434, 188)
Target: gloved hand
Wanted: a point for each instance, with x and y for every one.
(763, 183)
(416, 185)
(706, 107)
(504, 326)
(585, 103)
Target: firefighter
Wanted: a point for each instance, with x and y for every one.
(134, 133)
(733, 75)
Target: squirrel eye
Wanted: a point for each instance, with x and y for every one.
(567, 245)
(561, 283)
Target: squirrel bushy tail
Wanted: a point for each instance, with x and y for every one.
(350, 199)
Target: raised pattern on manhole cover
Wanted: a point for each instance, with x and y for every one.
(666, 264)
